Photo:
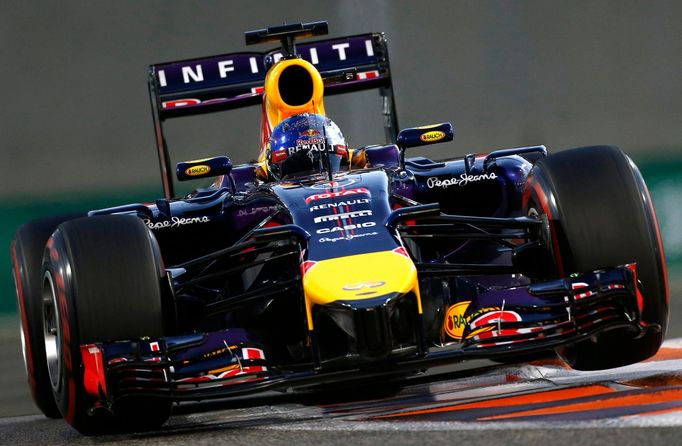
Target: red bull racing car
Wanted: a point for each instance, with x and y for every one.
(323, 262)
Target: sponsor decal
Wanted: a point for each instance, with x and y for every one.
(345, 215)
(481, 323)
(310, 140)
(255, 211)
(345, 182)
(175, 222)
(367, 75)
(341, 150)
(180, 103)
(194, 171)
(190, 101)
(463, 180)
(455, 321)
(216, 68)
(279, 156)
(433, 136)
(218, 352)
(368, 224)
(345, 193)
(311, 145)
(338, 203)
(478, 322)
(362, 285)
(232, 370)
(346, 237)
(309, 133)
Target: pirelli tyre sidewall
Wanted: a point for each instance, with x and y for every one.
(66, 375)
(601, 215)
(26, 251)
(101, 283)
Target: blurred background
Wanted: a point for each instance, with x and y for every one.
(76, 130)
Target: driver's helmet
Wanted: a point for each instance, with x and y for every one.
(306, 143)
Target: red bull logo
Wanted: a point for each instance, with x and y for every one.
(310, 132)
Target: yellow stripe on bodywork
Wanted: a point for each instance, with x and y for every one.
(359, 277)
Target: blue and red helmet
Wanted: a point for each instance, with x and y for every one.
(306, 143)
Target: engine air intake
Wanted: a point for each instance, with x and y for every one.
(295, 85)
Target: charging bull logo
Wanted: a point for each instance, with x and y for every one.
(310, 133)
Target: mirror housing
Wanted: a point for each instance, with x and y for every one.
(423, 136)
(203, 168)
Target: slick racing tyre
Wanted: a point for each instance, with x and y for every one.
(27, 250)
(601, 215)
(102, 282)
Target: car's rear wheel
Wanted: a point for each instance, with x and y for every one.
(102, 282)
(27, 250)
(601, 215)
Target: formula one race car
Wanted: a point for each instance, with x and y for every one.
(321, 263)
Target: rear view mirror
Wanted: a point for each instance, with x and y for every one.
(203, 168)
(422, 136)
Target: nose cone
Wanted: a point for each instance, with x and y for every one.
(357, 278)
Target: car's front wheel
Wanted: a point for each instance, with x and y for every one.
(601, 215)
(102, 281)
(27, 250)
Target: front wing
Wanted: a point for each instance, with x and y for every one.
(507, 321)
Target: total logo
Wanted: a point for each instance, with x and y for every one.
(368, 224)
(344, 193)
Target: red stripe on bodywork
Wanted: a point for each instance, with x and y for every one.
(94, 377)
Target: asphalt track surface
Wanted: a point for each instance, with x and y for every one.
(478, 402)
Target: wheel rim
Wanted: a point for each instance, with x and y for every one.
(52, 331)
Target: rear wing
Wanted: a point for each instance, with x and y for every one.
(235, 80)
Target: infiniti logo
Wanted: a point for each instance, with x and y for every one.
(343, 182)
(361, 285)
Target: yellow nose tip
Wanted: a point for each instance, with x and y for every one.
(362, 276)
